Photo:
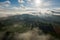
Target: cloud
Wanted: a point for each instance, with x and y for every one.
(42, 4)
(20, 1)
(5, 4)
(56, 10)
(36, 3)
(29, 1)
(47, 4)
(25, 8)
(15, 8)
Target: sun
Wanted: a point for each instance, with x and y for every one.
(38, 3)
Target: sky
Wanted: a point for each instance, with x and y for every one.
(29, 5)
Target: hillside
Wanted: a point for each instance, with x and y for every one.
(26, 22)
